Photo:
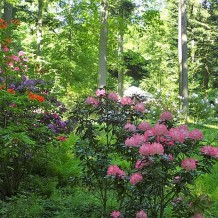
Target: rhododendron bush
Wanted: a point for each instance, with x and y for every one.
(30, 117)
(150, 166)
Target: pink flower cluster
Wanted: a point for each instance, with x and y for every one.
(130, 127)
(136, 178)
(151, 149)
(92, 101)
(141, 214)
(143, 126)
(100, 92)
(177, 135)
(140, 107)
(113, 96)
(126, 101)
(166, 116)
(210, 150)
(189, 164)
(135, 140)
(140, 164)
(114, 170)
(159, 129)
(116, 214)
(196, 134)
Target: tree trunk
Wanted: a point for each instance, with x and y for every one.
(120, 70)
(8, 9)
(102, 62)
(183, 57)
(39, 28)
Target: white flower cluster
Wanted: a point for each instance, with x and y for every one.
(136, 91)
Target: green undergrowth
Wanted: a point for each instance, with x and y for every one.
(55, 190)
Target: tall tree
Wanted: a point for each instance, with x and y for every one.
(183, 56)
(8, 9)
(125, 9)
(102, 62)
(39, 27)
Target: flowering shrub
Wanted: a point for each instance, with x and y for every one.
(204, 107)
(30, 117)
(162, 160)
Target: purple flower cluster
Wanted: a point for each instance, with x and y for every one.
(56, 124)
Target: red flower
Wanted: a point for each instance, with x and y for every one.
(33, 96)
(61, 138)
(2, 86)
(3, 24)
(11, 91)
(8, 40)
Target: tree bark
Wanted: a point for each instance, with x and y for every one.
(8, 9)
(102, 61)
(39, 28)
(120, 70)
(183, 57)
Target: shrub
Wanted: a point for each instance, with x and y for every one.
(30, 117)
(163, 160)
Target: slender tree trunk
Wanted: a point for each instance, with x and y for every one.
(39, 28)
(102, 63)
(8, 9)
(183, 57)
(120, 59)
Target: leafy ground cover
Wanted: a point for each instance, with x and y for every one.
(54, 191)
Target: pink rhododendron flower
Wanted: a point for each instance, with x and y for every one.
(170, 156)
(10, 64)
(139, 107)
(100, 92)
(148, 134)
(166, 116)
(12, 105)
(189, 164)
(165, 140)
(143, 126)
(183, 127)
(135, 178)
(176, 179)
(177, 135)
(126, 101)
(196, 134)
(210, 150)
(15, 58)
(16, 68)
(151, 149)
(20, 53)
(116, 214)
(114, 170)
(160, 129)
(92, 101)
(135, 140)
(141, 214)
(140, 164)
(113, 96)
(26, 59)
(130, 127)
(6, 49)
(198, 215)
